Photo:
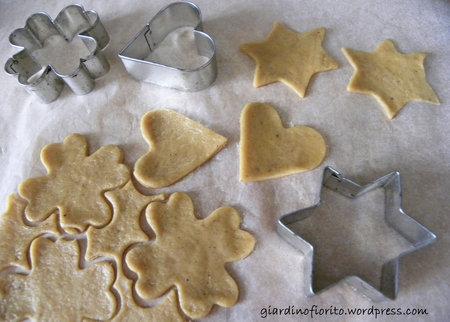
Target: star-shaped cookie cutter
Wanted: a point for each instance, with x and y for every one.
(45, 81)
(168, 19)
(418, 235)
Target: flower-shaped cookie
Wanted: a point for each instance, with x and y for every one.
(190, 254)
(56, 288)
(75, 184)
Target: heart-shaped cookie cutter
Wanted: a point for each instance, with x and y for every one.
(45, 81)
(170, 18)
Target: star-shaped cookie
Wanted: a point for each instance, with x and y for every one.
(393, 78)
(289, 57)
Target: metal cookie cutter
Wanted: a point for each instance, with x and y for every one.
(174, 16)
(45, 81)
(411, 230)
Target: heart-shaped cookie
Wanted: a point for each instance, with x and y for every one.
(178, 145)
(268, 150)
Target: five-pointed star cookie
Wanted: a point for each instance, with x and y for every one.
(393, 78)
(289, 57)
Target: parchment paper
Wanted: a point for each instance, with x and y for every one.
(363, 143)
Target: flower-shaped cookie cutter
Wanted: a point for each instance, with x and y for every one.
(418, 235)
(170, 18)
(45, 81)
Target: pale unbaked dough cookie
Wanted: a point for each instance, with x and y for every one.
(289, 57)
(166, 311)
(124, 229)
(16, 237)
(393, 78)
(178, 146)
(190, 254)
(75, 184)
(268, 150)
(56, 288)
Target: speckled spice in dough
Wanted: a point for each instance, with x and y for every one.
(393, 78)
(16, 237)
(167, 311)
(75, 184)
(56, 288)
(124, 229)
(268, 150)
(178, 146)
(190, 254)
(289, 57)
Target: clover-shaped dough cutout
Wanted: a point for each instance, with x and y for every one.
(16, 236)
(75, 184)
(56, 288)
(393, 78)
(167, 311)
(178, 146)
(124, 229)
(268, 150)
(190, 254)
(289, 57)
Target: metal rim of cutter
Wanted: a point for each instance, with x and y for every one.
(72, 21)
(168, 19)
(418, 235)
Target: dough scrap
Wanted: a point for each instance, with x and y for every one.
(56, 288)
(393, 78)
(16, 237)
(178, 146)
(124, 229)
(289, 57)
(167, 311)
(74, 184)
(268, 150)
(190, 253)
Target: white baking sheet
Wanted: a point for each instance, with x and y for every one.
(363, 143)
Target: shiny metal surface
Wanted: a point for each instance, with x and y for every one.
(418, 235)
(45, 81)
(170, 18)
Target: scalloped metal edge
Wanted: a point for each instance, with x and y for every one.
(71, 21)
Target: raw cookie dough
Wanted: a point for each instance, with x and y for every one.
(124, 229)
(191, 254)
(56, 288)
(178, 146)
(74, 184)
(166, 311)
(16, 237)
(393, 78)
(268, 150)
(289, 57)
